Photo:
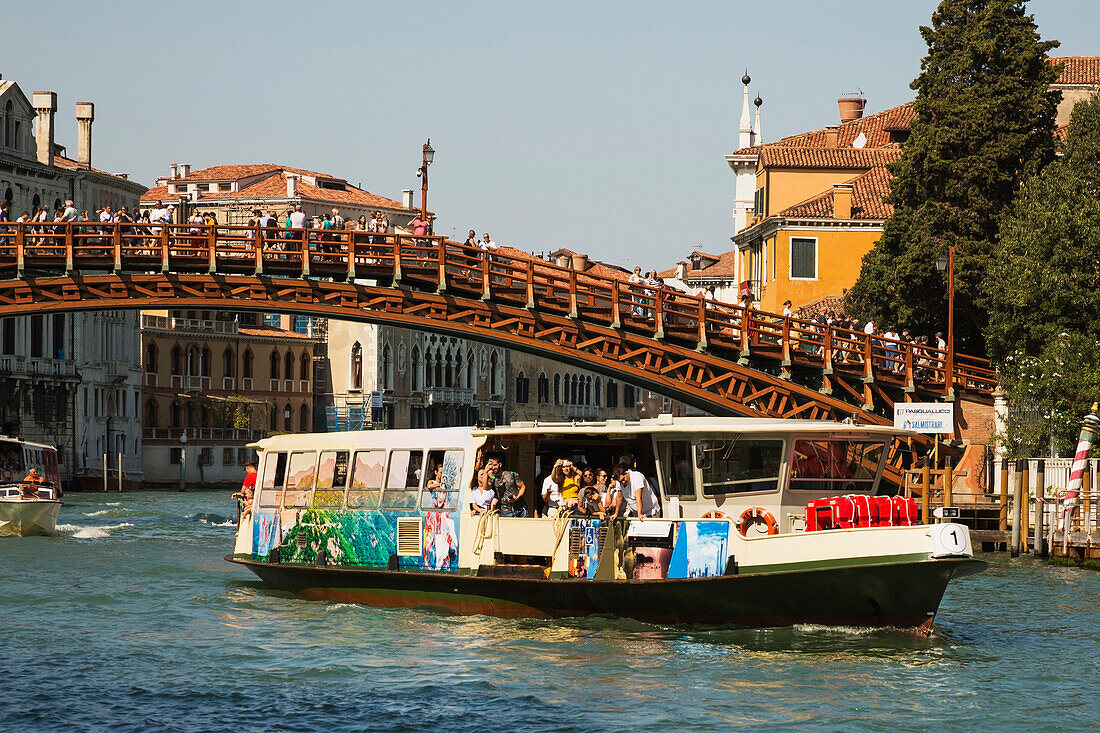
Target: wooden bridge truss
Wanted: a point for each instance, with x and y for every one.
(720, 357)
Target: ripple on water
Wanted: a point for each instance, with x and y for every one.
(151, 613)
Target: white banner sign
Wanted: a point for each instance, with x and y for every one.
(925, 417)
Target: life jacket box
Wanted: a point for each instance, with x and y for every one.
(866, 511)
(882, 511)
(834, 512)
(904, 511)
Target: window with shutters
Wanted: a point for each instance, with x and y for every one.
(803, 258)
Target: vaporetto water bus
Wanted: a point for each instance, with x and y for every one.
(761, 523)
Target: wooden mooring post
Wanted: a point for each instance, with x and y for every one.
(1038, 544)
(925, 493)
(1025, 506)
(1017, 501)
(1003, 521)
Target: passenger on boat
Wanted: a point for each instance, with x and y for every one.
(482, 498)
(638, 493)
(551, 495)
(566, 477)
(612, 495)
(509, 488)
(590, 502)
(248, 486)
(33, 477)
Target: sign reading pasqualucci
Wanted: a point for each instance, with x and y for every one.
(925, 417)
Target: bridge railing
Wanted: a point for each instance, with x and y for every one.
(48, 248)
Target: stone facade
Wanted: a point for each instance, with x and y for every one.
(225, 382)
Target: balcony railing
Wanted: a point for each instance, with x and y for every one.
(37, 366)
(190, 383)
(167, 323)
(200, 435)
(448, 395)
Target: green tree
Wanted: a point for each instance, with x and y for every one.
(1049, 394)
(984, 122)
(1048, 273)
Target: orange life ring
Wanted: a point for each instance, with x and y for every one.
(754, 514)
(715, 514)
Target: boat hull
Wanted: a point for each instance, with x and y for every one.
(26, 517)
(904, 595)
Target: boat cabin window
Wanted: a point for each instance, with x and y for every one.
(299, 479)
(739, 465)
(836, 466)
(332, 477)
(366, 479)
(677, 472)
(441, 488)
(403, 481)
(272, 482)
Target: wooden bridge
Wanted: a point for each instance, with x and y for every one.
(717, 356)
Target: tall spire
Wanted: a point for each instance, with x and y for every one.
(744, 133)
(759, 137)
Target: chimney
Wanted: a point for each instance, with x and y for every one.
(842, 201)
(291, 185)
(832, 132)
(175, 171)
(85, 113)
(185, 170)
(45, 105)
(681, 271)
(851, 108)
(407, 198)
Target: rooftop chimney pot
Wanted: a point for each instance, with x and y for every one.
(45, 106)
(291, 185)
(407, 198)
(832, 134)
(185, 170)
(851, 108)
(175, 171)
(85, 114)
(842, 201)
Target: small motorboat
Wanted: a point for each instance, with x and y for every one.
(28, 508)
(91, 478)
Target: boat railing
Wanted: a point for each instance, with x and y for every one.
(27, 490)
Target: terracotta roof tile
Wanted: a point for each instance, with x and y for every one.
(875, 127)
(275, 187)
(869, 192)
(1078, 70)
(821, 157)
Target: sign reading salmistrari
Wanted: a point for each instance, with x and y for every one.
(925, 417)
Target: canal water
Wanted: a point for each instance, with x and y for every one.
(130, 620)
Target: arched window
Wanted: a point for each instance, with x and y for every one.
(288, 416)
(427, 367)
(152, 414)
(274, 364)
(175, 415)
(304, 423)
(151, 353)
(304, 372)
(246, 366)
(204, 416)
(471, 372)
(356, 366)
(629, 399)
(204, 362)
(177, 360)
(387, 367)
(612, 394)
(543, 389)
(193, 361)
(588, 390)
(229, 362)
(574, 388)
(557, 389)
(494, 376)
(449, 371)
(597, 393)
(288, 363)
(417, 370)
(523, 388)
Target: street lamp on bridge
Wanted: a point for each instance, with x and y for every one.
(947, 262)
(428, 154)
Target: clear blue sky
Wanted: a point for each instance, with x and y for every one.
(595, 126)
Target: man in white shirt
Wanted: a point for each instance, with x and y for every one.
(297, 218)
(638, 493)
(551, 495)
(106, 215)
(487, 243)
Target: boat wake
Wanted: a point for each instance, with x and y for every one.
(214, 520)
(90, 532)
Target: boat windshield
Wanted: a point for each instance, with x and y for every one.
(836, 465)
